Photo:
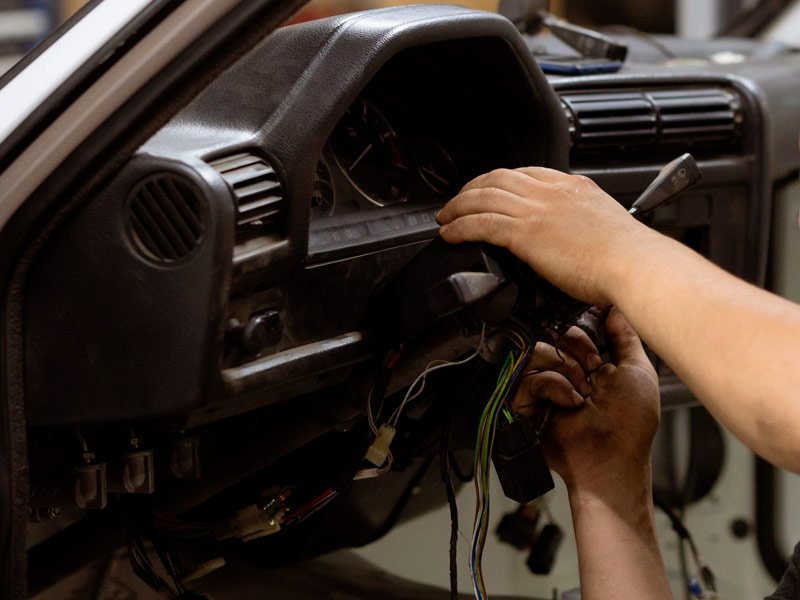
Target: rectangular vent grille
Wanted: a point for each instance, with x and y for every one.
(638, 120)
(258, 193)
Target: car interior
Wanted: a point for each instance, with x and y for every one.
(233, 348)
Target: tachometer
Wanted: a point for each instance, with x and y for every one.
(437, 168)
(370, 155)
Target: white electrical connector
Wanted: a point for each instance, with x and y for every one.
(203, 569)
(378, 452)
(251, 523)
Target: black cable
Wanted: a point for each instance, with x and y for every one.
(706, 575)
(684, 568)
(682, 532)
(141, 564)
(444, 456)
(455, 470)
(383, 376)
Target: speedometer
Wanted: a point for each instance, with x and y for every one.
(369, 154)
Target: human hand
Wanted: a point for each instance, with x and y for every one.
(564, 226)
(602, 449)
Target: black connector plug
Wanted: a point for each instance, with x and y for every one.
(545, 549)
(519, 460)
(518, 528)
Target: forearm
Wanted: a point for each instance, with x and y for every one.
(618, 552)
(736, 346)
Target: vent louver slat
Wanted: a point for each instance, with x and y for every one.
(166, 218)
(639, 120)
(700, 115)
(611, 119)
(258, 193)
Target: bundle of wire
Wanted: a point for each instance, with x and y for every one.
(496, 408)
(143, 566)
(301, 514)
(415, 390)
(175, 527)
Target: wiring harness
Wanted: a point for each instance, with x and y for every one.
(498, 407)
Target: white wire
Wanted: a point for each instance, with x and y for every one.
(428, 370)
(370, 417)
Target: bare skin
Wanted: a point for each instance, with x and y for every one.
(735, 346)
(601, 449)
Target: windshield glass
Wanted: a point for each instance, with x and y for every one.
(61, 56)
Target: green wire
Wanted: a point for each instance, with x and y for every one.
(506, 365)
(494, 407)
(488, 418)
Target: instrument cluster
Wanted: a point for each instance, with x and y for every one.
(381, 172)
(380, 167)
(396, 156)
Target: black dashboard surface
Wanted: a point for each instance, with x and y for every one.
(317, 164)
(338, 140)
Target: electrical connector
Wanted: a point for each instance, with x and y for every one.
(520, 462)
(378, 452)
(204, 568)
(251, 523)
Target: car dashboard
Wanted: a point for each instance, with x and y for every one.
(216, 301)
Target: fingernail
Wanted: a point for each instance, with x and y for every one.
(437, 216)
(585, 388)
(577, 398)
(443, 228)
(594, 362)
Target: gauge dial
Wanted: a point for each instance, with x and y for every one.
(323, 199)
(436, 167)
(370, 155)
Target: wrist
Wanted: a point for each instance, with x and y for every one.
(625, 515)
(626, 490)
(624, 260)
(618, 553)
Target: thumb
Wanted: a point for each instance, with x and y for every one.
(624, 344)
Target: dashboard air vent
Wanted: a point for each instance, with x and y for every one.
(258, 193)
(638, 120)
(166, 218)
(700, 115)
(610, 120)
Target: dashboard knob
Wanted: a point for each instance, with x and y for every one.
(258, 333)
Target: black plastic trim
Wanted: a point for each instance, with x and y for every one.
(756, 143)
(298, 363)
(77, 179)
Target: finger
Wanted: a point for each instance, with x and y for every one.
(483, 200)
(547, 358)
(599, 380)
(624, 344)
(547, 386)
(600, 312)
(496, 229)
(510, 180)
(544, 174)
(578, 343)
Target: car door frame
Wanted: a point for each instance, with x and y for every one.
(117, 98)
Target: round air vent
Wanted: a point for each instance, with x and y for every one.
(166, 217)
